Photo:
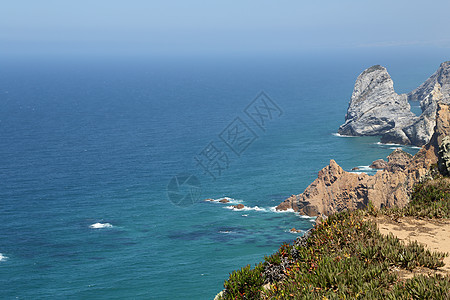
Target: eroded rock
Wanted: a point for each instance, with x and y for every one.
(376, 109)
(336, 190)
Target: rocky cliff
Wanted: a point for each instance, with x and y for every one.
(376, 109)
(335, 189)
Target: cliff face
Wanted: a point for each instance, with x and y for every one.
(375, 108)
(335, 189)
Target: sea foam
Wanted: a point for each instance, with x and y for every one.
(341, 135)
(246, 208)
(2, 257)
(274, 209)
(230, 200)
(100, 225)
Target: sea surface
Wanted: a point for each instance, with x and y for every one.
(89, 148)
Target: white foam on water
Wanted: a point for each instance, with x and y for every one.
(230, 200)
(245, 215)
(100, 225)
(2, 257)
(225, 231)
(365, 168)
(389, 144)
(274, 209)
(307, 217)
(294, 231)
(246, 208)
(341, 135)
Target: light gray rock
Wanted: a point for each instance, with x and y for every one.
(444, 156)
(441, 77)
(375, 108)
(435, 89)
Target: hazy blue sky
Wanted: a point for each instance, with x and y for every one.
(194, 26)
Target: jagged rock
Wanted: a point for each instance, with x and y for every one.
(335, 190)
(441, 77)
(378, 164)
(224, 200)
(375, 108)
(398, 160)
(239, 206)
(355, 169)
(444, 156)
(396, 136)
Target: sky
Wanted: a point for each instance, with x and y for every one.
(175, 27)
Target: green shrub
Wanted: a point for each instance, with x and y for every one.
(245, 283)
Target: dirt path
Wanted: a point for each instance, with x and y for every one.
(434, 234)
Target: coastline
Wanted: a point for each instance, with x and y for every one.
(338, 194)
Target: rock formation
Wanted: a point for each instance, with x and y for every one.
(335, 189)
(444, 156)
(376, 109)
(378, 164)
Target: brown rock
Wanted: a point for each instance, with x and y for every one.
(239, 206)
(335, 190)
(224, 200)
(378, 164)
(209, 200)
(355, 169)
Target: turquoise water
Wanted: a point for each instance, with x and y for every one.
(91, 142)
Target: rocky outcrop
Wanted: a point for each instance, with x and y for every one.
(444, 156)
(375, 108)
(378, 164)
(335, 189)
(437, 85)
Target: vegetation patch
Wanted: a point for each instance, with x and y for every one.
(430, 199)
(343, 257)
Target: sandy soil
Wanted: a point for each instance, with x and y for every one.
(434, 234)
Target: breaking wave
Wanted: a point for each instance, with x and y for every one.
(100, 225)
(2, 257)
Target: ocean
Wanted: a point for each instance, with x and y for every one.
(94, 153)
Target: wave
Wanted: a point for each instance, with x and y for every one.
(2, 257)
(230, 200)
(341, 135)
(274, 209)
(365, 168)
(296, 231)
(307, 217)
(246, 208)
(225, 231)
(100, 225)
(389, 144)
(395, 146)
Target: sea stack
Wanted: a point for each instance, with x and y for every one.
(376, 109)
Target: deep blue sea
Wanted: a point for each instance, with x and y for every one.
(89, 146)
